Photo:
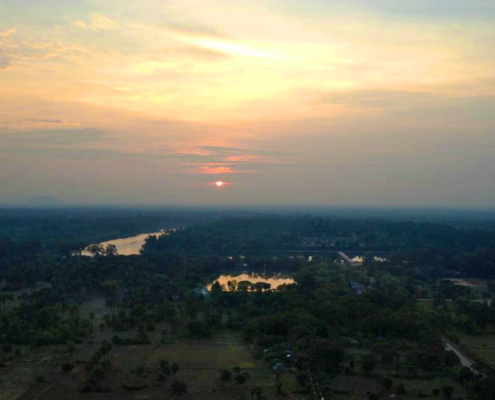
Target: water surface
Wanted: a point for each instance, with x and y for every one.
(128, 246)
(275, 280)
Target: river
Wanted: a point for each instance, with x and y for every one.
(128, 246)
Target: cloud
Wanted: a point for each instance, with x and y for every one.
(48, 121)
(96, 22)
(377, 98)
(197, 52)
(194, 29)
(15, 49)
(4, 61)
(54, 137)
(7, 32)
(212, 170)
(216, 160)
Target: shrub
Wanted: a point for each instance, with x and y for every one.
(179, 388)
(67, 367)
(387, 383)
(225, 375)
(447, 391)
(7, 348)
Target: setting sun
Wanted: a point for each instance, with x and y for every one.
(219, 183)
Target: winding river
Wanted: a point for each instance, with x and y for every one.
(128, 246)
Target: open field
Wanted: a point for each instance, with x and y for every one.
(199, 360)
(357, 386)
(482, 344)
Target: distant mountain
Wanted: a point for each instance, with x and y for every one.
(44, 201)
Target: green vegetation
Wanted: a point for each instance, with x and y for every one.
(109, 325)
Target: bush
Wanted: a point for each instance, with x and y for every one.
(7, 348)
(369, 363)
(67, 367)
(179, 388)
(401, 389)
(242, 377)
(302, 379)
(447, 391)
(373, 396)
(387, 383)
(198, 329)
(225, 375)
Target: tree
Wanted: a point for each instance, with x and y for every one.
(244, 286)
(174, 368)
(178, 388)
(95, 250)
(92, 318)
(242, 377)
(447, 391)
(164, 367)
(256, 393)
(71, 347)
(369, 363)
(67, 367)
(199, 329)
(401, 389)
(387, 383)
(232, 285)
(216, 289)
(110, 250)
(261, 286)
(302, 379)
(225, 374)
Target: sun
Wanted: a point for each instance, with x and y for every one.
(219, 183)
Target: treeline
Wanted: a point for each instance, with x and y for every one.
(276, 233)
(439, 250)
(52, 228)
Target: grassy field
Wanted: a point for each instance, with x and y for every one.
(482, 344)
(357, 386)
(199, 360)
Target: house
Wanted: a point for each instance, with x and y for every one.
(356, 286)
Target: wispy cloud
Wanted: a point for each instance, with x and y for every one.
(20, 47)
(96, 22)
(216, 160)
(193, 28)
(54, 137)
(7, 33)
(4, 61)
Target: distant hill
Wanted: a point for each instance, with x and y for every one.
(44, 201)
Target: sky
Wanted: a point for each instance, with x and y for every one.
(316, 102)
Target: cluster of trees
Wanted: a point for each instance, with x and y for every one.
(40, 324)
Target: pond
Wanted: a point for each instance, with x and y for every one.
(128, 246)
(274, 280)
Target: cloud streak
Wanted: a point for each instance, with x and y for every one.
(96, 22)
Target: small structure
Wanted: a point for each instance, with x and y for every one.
(356, 286)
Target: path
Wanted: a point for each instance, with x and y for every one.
(347, 259)
(465, 361)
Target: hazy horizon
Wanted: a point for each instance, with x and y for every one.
(373, 103)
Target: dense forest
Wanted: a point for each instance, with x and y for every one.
(441, 250)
